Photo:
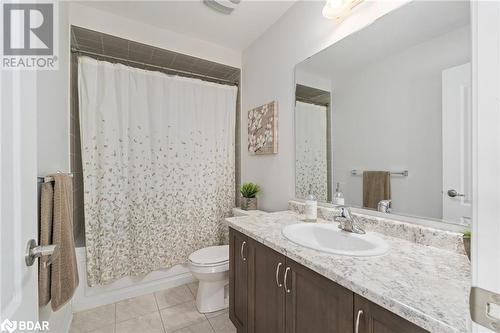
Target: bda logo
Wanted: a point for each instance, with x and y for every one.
(8, 326)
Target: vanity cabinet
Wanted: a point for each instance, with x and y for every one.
(238, 280)
(315, 303)
(270, 293)
(372, 318)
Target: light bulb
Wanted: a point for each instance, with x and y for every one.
(334, 8)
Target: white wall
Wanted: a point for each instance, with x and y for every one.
(387, 116)
(106, 22)
(53, 107)
(268, 74)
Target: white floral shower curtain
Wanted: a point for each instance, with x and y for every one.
(311, 150)
(158, 167)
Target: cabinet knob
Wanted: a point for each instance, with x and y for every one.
(277, 275)
(358, 317)
(241, 251)
(285, 278)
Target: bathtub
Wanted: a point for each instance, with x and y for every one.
(89, 297)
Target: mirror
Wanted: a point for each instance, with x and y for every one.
(383, 117)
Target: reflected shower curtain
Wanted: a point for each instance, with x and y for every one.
(311, 165)
(158, 167)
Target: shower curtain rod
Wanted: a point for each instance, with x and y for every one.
(178, 71)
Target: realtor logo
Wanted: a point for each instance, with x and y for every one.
(29, 35)
(28, 29)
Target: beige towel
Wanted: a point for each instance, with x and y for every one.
(63, 271)
(376, 187)
(46, 216)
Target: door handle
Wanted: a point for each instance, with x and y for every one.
(482, 304)
(453, 193)
(358, 317)
(277, 275)
(33, 252)
(241, 251)
(285, 278)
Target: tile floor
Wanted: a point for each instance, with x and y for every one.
(167, 311)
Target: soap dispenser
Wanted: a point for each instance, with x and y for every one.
(338, 197)
(311, 210)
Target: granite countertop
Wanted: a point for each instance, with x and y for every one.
(427, 286)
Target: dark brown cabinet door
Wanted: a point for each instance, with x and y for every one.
(371, 318)
(315, 304)
(238, 280)
(266, 296)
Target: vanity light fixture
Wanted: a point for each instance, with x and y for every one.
(339, 9)
(222, 6)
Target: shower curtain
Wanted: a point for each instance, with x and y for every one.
(311, 151)
(158, 167)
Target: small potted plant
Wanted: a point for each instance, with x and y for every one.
(248, 193)
(466, 239)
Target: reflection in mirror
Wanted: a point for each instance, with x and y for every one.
(397, 118)
(312, 144)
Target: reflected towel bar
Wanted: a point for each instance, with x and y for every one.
(48, 179)
(403, 173)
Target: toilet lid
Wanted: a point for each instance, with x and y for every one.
(210, 255)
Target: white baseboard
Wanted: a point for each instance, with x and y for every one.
(90, 297)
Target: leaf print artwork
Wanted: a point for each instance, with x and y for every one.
(263, 129)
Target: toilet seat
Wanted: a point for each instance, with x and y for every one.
(210, 256)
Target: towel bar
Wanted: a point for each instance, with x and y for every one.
(48, 179)
(403, 173)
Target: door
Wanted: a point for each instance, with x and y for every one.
(238, 280)
(485, 249)
(315, 304)
(266, 296)
(18, 208)
(371, 318)
(457, 144)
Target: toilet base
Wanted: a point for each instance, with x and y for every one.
(211, 296)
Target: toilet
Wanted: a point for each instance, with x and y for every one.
(210, 266)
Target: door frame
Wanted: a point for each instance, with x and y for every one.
(485, 248)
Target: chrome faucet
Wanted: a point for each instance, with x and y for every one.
(384, 206)
(347, 221)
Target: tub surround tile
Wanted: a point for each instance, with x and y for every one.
(426, 285)
(135, 307)
(174, 296)
(181, 316)
(446, 240)
(150, 323)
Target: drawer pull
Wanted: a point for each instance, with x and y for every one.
(358, 317)
(277, 275)
(284, 280)
(241, 251)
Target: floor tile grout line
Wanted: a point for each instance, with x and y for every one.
(210, 323)
(159, 313)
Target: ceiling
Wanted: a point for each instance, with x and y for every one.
(410, 25)
(237, 31)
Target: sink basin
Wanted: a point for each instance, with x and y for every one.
(329, 238)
